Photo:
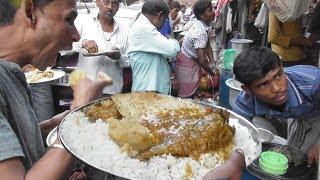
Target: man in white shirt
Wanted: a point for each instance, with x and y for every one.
(102, 33)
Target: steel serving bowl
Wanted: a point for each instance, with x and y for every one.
(241, 44)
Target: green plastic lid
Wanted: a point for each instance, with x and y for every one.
(273, 163)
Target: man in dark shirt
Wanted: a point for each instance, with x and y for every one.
(32, 32)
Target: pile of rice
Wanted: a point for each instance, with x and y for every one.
(91, 142)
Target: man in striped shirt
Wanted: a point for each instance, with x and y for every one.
(290, 94)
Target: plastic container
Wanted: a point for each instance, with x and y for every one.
(273, 163)
(228, 57)
(224, 89)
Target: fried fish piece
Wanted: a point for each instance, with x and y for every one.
(104, 110)
(127, 131)
(133, 105)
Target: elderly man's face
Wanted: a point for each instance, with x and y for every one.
(109, 8)
(54, 31)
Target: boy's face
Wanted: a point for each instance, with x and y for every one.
(272, 89)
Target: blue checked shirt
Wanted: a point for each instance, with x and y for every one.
(303, 96)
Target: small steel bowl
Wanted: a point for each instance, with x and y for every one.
(265, 135)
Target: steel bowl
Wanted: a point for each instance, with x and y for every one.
(240, 44)
(265, 135)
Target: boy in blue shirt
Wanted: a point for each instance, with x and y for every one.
(290, 94)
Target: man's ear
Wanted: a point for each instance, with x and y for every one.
(27, 9)
(247, 89)
(160, 14)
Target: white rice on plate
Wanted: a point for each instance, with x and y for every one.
(91, 142)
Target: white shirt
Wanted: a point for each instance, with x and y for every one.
(92, 30)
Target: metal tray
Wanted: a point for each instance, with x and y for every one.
(241, 120)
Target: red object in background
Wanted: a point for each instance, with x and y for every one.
(127, 80)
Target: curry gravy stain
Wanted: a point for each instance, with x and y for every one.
(188, 132)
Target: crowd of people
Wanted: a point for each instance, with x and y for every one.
(153, 64)
(34, 31)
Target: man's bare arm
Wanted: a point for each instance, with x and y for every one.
(210, 53)
(203, 61)
(55, 164)
(47, 125)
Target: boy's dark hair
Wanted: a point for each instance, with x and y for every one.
(200, 7)
(254, 64)
(8, 9)
(153, 7)
(175, 4)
